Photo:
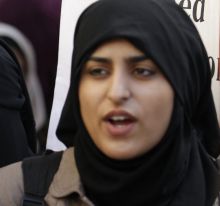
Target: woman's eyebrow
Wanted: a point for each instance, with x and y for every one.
(131, 59)
(136, 59)
(99, 59)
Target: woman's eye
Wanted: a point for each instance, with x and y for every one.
(143, 72)
(98, 72)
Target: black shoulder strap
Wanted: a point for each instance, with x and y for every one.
(38, 174)
(218, 165)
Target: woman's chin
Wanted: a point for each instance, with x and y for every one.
(121, 154)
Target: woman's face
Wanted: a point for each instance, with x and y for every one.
(125, 101)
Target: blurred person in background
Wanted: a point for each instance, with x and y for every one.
(39, 22)
(25, 54)
(17, 126)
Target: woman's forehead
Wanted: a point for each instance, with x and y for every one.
(125, 46)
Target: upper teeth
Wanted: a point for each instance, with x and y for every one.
(118, 118)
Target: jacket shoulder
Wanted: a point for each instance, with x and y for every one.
(11, 181)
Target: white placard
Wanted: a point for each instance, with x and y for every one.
(206, 16)
(70, 13)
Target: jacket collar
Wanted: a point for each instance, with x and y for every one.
(67, 180)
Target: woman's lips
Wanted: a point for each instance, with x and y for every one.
(119, 123)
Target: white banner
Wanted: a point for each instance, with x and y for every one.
(205, 14)
(70, 13)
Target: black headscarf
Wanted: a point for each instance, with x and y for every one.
(179, 170)
(17, 127)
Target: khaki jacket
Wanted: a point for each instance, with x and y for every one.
(65, 189)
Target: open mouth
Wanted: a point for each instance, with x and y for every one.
(119, 123)
(120, 120)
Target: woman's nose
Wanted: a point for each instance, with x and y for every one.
(119, 88)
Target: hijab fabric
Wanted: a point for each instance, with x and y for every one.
(179, 170)
(16, 119)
